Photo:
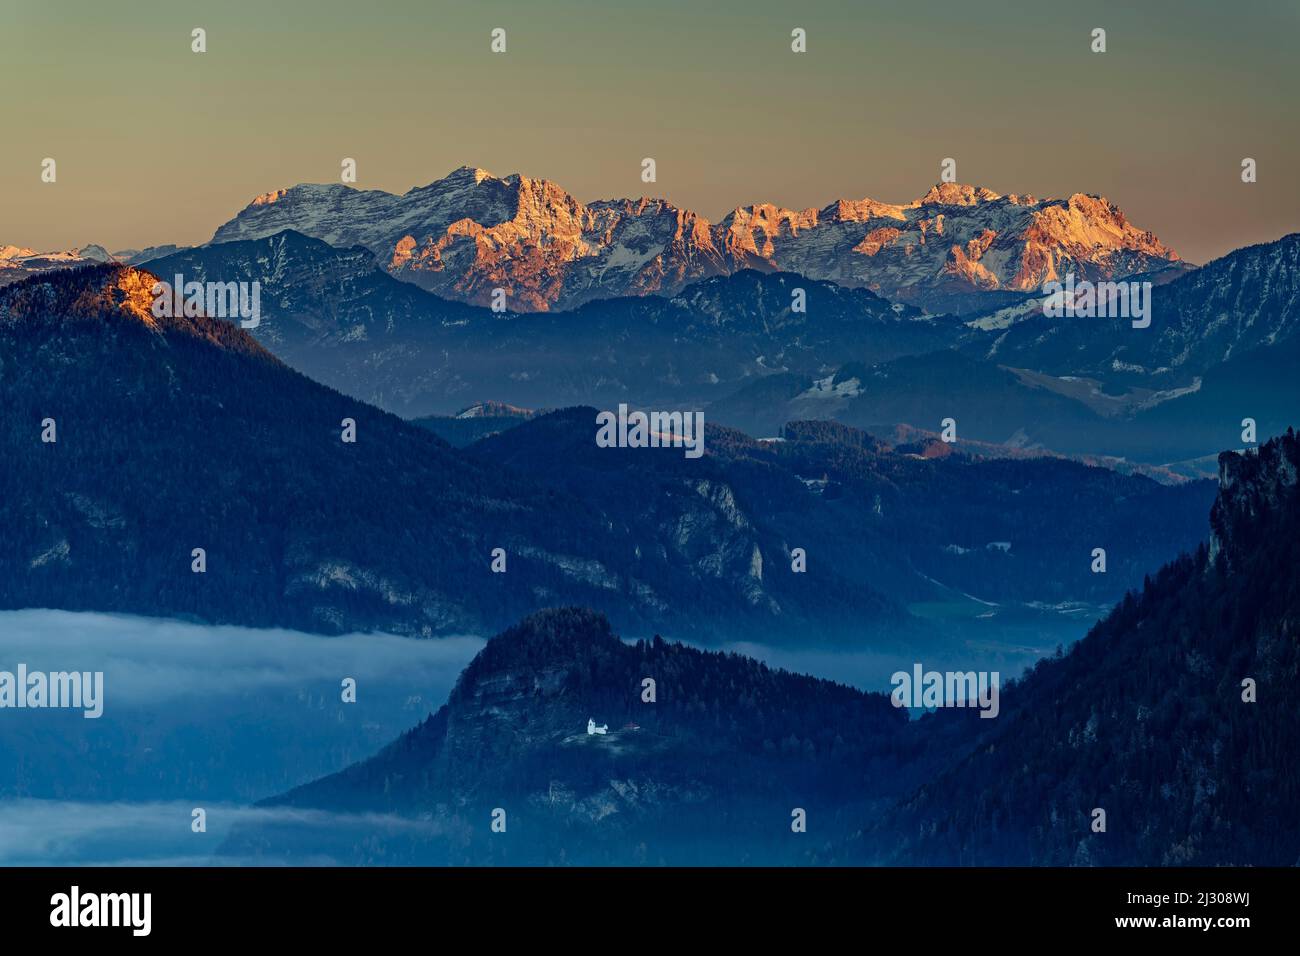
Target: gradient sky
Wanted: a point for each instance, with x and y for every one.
(157, 144)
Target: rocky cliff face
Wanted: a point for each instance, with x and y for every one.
(469, 233)
(1252, 486)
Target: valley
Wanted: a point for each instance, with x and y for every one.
(768, 465)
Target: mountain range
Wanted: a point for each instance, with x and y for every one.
(470, 233)
(331, 314)
(184, 467)
(1245, 301)
(766, 317)
(17, 262)
(182, 433)
(1219, 349)
(216, 444)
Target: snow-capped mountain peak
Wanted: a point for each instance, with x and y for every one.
(19, 262)
(470, 233)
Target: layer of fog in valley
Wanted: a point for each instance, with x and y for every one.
(193, 716)
(218, 718)
(960, 635)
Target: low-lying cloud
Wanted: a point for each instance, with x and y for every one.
(72, 833)
(151, 660)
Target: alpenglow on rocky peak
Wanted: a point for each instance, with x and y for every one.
(470, 233)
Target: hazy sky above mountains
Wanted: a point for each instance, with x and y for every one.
(157, 144)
